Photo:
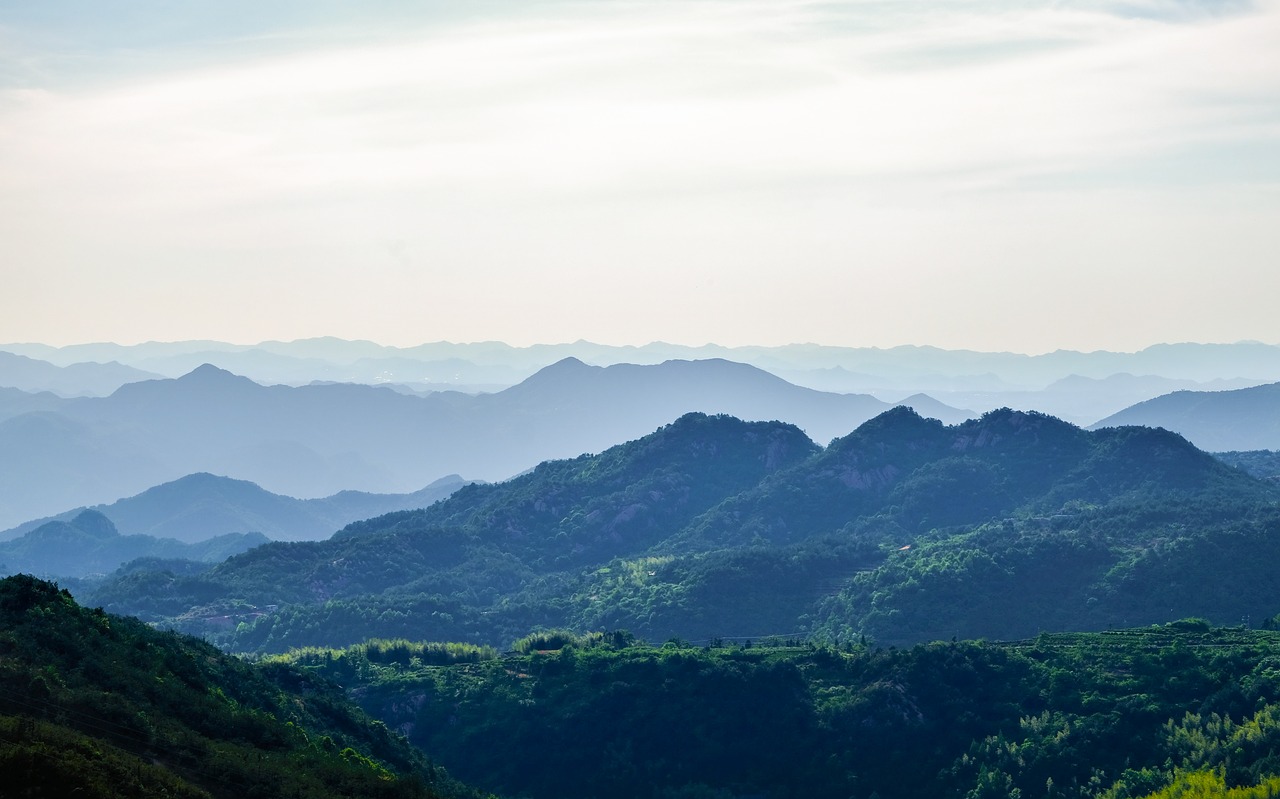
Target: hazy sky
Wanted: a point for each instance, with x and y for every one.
(971, 173)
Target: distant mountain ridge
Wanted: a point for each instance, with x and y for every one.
(1187, 361)
(200, 506)
(1220, 421)
(313, 441)
(89, 543)
(71, 380)
(1084, 400)
(1081, 387)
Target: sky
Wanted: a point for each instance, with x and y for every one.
(981, 174)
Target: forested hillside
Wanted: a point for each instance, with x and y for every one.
(97, 705)
(905, 530)
(1176, 710)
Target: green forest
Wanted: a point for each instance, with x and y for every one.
(1181, 709)
(904, 531)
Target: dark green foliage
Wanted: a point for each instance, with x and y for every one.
(1117, 714)
(103, 705)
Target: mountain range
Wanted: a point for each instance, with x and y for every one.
(1077, 386)
(904, 530)
(317, 440)
(72, 380)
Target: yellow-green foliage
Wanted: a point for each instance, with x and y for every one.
(1212, 785)
(1206, 741)
(548, 640)
(640, 571)
(399, 650)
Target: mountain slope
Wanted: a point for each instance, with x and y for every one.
(904, 475)
(607, 398)
(1218, 421)
(89, 543)
(73, 380)
(14, 402)
(51, 462)
(103, 706)
(562, 515)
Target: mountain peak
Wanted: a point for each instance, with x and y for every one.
(206, 377)
(88, 522)
(569, 364)
(207, 371)
(94, 523)
(565, 369)
(898, 419)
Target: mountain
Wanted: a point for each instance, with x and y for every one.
(1219, 421)
(618, 402)
(104, 707)
(904, 530)
(1089, 399)
(313, 441)
(89, 543)
(909, 368)
(200, 506)
(72, 380)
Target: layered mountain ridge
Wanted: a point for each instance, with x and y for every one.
(199, 506)
(712, 526)
(313, 441)
(89, 543)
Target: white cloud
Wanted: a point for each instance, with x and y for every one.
(478, 141)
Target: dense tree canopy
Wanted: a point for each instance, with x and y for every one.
(97, 705)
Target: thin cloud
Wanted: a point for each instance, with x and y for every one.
(303, 150)
(580, 102)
